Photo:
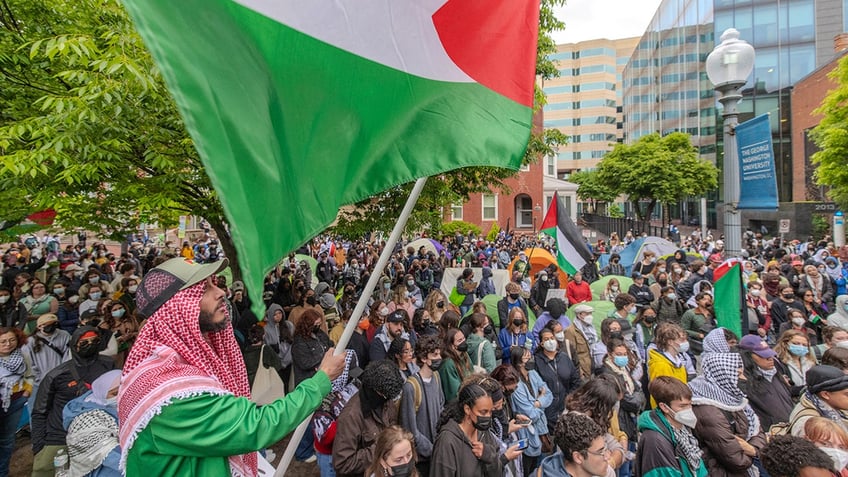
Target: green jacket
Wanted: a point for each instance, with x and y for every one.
(451, 380)
(487, 357)
(657, 455)
(195, 436)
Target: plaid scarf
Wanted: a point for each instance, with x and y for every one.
(719, 386)
(12, 371)
(170, 360)
(687, 445)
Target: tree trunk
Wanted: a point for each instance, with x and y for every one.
(649, 213)
(227, 244)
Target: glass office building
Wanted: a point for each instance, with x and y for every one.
(665, 83)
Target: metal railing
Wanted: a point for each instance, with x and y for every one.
(608, 225)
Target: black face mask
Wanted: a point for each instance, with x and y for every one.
(649, 319)
(530, 365)
(518, 322)
(484, 423)
(514, 296)
(87, 349)
(403, 470)
(49, 329)
(463, 347)
(311, 300)
(662, 282)
(435, 364)
(615, 335)
(440, 304)
(316, 328)
(788, 296)
(488, 330)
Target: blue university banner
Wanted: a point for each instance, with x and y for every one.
(757, 178)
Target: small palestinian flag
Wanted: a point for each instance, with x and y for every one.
(728, 299)
(572, 252)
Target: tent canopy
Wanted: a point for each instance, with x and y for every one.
(539, 259)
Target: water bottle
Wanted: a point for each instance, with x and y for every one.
(60, 464)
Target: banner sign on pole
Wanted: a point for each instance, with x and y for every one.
(757, 177)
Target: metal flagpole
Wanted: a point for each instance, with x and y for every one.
(357, 311)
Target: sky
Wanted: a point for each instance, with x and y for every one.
(611, 19)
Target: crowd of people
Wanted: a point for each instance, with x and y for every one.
(155, 346)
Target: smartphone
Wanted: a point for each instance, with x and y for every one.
(522, 444)
(522, 422)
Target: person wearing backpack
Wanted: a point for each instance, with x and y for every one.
(422, 400)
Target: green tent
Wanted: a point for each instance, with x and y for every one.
(598, 286)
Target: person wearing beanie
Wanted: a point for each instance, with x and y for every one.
(366, 414)
(512, 300)
(826, 396)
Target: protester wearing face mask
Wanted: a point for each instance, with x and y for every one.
(667, 446)
(614, 267)
(365, 416)
(422, 400)
(394, 455)
(620, 364)
(555, 310)
(12, 314)
(799, 322)
(64, 383)
(643, 334)
(465, 446)
(666, 356)
(625, 307)
(582, 336)
(766, 383)
(831, 438)
(46, 349)
(309, 301)
(456, 365)
(539, 292)
(555, 367)
(781, 307)
(611, 290)
(640, 291)
(92, 278)
(832, 337)
(532, 398)
(92, 424)
(759, 309)
(512, 300)
(513, 334)
(794, 351)
(610, 329)
(437, 304)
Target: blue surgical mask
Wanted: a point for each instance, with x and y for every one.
(620, 361)
(798, 350)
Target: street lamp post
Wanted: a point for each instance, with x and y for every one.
(728, 68)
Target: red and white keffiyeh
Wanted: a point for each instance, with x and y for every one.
(170, 360)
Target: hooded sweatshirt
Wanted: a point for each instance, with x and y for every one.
(840, 316)
(657, 455)
(452, 456)
(554, 466)
(59, 387)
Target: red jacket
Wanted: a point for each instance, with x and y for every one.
(578, 292)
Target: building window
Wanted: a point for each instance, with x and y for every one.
(551, 165)
(490, 207)
(524, 168)
(456, 211)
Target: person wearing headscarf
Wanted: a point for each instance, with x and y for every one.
(185, 379)
(728, 429)
(92, 424)
(839, 317)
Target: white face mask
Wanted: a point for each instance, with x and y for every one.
(588, 319)
(842, 344)
(755, 293)
(560, 336)
(95, 296)
(112, 401)
(798, 321)
(686, 417)
(132, 288)
(632, 310)
(614, 288)
(683, 347)
(544, 278)
(839, 456)
(73, 299)
(550, 345)
(4, 299)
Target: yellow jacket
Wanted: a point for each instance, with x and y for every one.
(660, 365)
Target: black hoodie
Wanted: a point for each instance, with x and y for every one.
(60, 386)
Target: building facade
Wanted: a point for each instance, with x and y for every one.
(584, 102)
(666, 88)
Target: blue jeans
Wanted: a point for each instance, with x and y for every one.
(325, 465)
(306, 447)
(8, 427)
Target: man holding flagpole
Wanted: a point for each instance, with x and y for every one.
(183, 403)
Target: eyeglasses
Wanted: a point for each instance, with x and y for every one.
(9, 341)
(602, 452)
(407, 351)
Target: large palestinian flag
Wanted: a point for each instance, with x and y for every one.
(729, 296)
(572, 252)
(298, 107)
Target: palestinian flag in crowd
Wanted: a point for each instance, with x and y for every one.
(299, 107)
(572, 252)
(728, 298)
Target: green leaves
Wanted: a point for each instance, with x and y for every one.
(654, 169)
(831, 136)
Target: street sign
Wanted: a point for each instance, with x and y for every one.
(784, 226)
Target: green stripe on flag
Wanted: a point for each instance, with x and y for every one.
(728, 300)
